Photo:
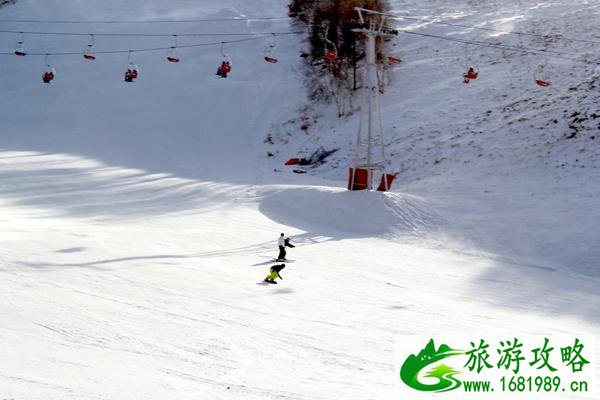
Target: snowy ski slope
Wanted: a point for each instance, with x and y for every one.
(138, 220)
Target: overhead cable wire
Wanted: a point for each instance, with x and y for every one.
(145, 50)
(540, 35)
(242, 19)
(550, 53)
(40, 33)
(166, 21)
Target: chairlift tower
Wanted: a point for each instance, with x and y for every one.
(370, 145)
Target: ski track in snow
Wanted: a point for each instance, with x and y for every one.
(137, 219)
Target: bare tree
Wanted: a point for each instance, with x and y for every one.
(330, 24)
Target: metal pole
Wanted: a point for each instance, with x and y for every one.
(354, 62)
(382, 144)
(370, 87)
(373, 143)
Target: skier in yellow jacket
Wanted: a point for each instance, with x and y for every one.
(274, 273)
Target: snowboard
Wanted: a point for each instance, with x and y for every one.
(263, 283)
(283, 261)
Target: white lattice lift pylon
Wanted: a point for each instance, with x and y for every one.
(370, 147)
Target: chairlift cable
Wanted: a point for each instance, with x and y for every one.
(558, 37)
(166, 21)
(526, 50)
(42, 33)
(151, 49)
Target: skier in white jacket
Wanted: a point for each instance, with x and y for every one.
(283, 242)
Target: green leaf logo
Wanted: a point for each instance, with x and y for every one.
(409, 373)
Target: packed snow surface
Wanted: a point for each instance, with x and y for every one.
(138, 220)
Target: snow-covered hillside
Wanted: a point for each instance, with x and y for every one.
(138, 220)
(499, 139)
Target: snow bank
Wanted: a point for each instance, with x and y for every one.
(344, 214)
